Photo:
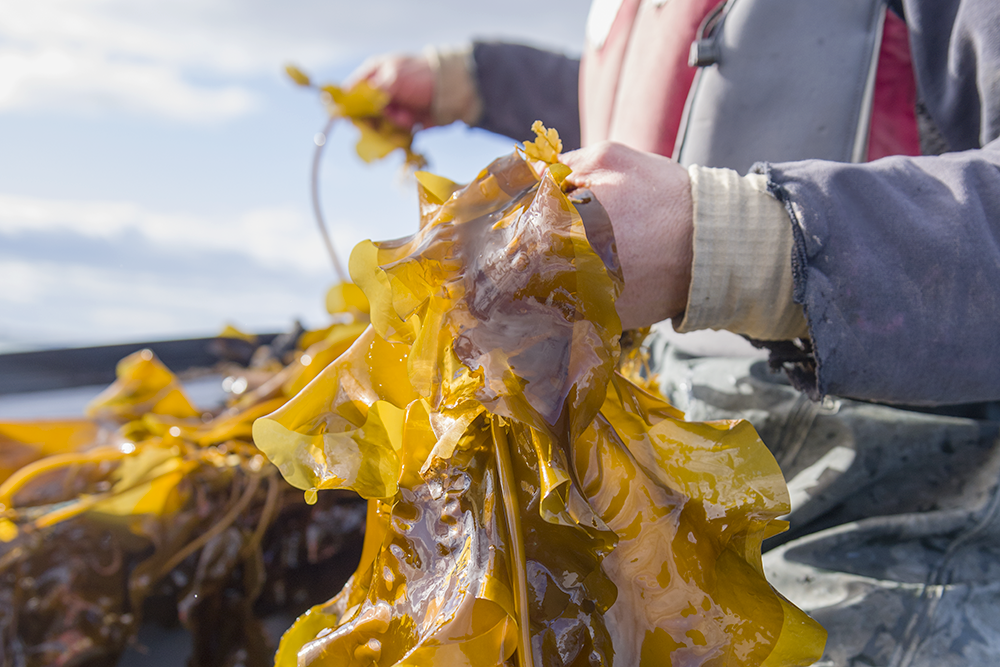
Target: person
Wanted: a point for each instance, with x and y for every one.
(826, 182)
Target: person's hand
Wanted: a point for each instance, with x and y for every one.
(409, 82)
(648, 198)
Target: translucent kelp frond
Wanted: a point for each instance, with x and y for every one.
(363, 105)
(529, 504)
(144, 385)
(547, 145)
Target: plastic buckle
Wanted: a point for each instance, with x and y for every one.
(704, 52)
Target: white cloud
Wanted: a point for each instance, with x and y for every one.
(96, 56)
(22, 283)
(56, 79)
(194, 60)
(279, 237)
(47, 303)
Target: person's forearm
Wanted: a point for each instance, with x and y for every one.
(520, 84)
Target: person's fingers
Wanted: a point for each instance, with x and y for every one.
(409, 82)
(388, 74)
(581, 162)
(401, 116)
(367, 70)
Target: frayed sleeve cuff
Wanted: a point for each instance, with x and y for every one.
(741, 277)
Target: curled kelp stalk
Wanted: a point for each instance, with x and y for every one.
(152, 501)
(363, 105)
(528, 503)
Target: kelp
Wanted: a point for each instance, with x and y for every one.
(363, 104)
(151, 498)
(531, 499)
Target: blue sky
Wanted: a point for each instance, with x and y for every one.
(154, 161)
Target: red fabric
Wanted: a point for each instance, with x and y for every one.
(894, 121)
(599, 73)
(633, 89)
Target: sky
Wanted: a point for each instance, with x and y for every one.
(154, 159)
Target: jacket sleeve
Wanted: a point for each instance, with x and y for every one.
(897, 262)
(520, 84)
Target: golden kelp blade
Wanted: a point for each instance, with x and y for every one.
(229, 331)
(622, 535)
(346, 298)
(306, 433)
(547, 145)
(22, 443)
(363, 105)
(362, 100)
(437, 189)
(143, 385)
(377, 141)
(297, 75)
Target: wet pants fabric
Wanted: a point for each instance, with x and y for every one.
(894, 540)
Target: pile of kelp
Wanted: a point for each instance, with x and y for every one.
(153, 505)
(529, 501)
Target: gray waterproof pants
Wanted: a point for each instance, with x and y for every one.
(894, 543)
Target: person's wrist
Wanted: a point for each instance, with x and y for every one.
(741, 270)
(648, 200)
(654, 234)
(455, 93)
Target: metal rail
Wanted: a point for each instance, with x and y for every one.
(45, 370)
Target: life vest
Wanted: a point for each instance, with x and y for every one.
(779, 80)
